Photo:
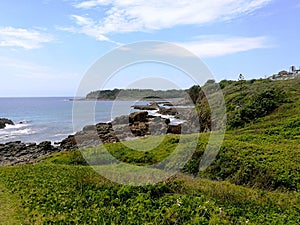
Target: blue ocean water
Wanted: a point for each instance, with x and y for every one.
(40, 119)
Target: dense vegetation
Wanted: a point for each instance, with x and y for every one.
(255, 178)
(134, 94)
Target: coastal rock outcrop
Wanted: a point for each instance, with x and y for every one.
(137, 124)
(17, 152)
(4, 121)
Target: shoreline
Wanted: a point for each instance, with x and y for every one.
(139, 123)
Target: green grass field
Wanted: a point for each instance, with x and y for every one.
(255, 178)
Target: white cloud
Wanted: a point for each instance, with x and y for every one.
(225, 46)
(88, 27)
(213, 46)
(141, 15)
(92, 3)
(18, 37)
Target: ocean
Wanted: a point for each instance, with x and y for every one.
(41, 119)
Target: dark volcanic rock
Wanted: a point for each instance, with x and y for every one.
(16, 152)
(4, 121)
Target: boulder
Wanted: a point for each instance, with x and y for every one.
(4, 121)
(151, 106)
(174, 129)
(121, 120)
(138, 117)
(69, 143)
(89, 128)
(168, 111)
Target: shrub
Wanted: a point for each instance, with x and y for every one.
(260, 105)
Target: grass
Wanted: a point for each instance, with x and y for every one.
(63, 194)
(10, 208)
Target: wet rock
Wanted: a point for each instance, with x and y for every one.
(4, 121)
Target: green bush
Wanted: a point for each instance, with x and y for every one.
(259, 105)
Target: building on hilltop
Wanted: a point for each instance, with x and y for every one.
(286, 75)
(294, 70)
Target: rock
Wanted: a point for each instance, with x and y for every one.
(121, 120)
(16, 152)
(137, 124)
(151, 106)
(45, 145)
(138, 117)
(103, 128)
(158, 126)
(4, 121)
(168, 111)
(139, 128)
(89, 128)
(69, 143)
(168, 104)
(174, 129)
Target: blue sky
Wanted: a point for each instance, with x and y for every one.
(46, 46)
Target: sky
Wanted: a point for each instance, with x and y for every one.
(47, 46)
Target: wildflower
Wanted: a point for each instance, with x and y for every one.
(178, 202)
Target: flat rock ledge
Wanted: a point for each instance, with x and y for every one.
(14, 153)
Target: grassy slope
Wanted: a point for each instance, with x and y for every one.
(255, 177)
(265, 153)
(9, 208)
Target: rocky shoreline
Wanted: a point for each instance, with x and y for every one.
(137, 124)
(13, 153)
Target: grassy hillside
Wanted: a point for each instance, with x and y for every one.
(254, 180)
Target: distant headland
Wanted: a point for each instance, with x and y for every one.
(129, 94)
